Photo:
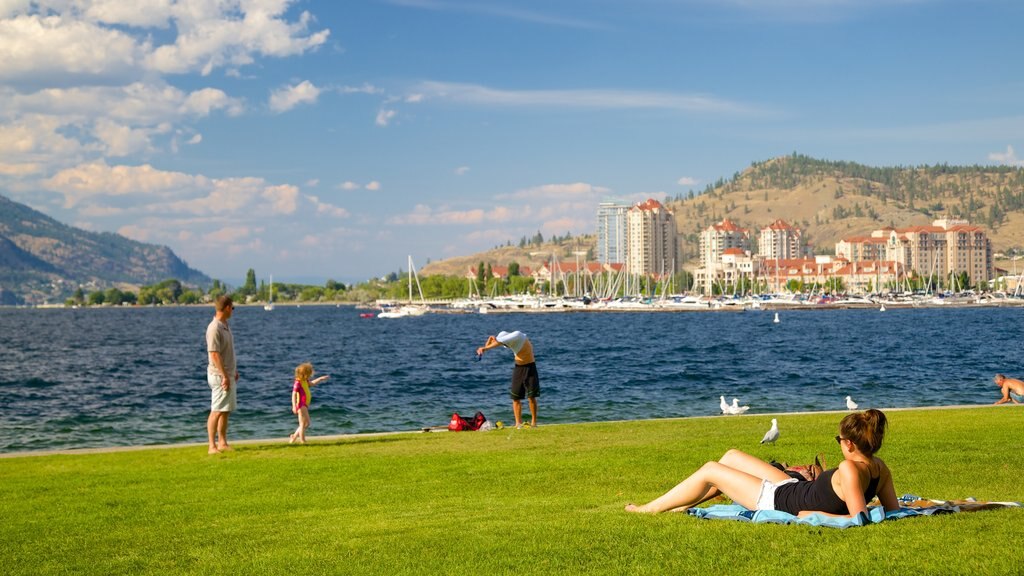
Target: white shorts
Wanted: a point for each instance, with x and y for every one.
(766, 499)
(221, 400)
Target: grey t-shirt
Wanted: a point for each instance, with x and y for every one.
(220, 340)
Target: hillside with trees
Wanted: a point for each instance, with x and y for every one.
(832, 200)
(44, 260)
(828, 200)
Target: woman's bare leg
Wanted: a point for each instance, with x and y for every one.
(742, 487)
(753, 465)
(743, 462)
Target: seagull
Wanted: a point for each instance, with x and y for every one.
(736, 408)
(773, 434)
(850, 404)
(776, 321)
(723, 405)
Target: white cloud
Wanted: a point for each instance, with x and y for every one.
(348, 185)
(121, 140)
(1009, 157)
(98, 179)
(499, 10)
(42, 46)
(327, 209)
(414, 98)
(195, 139)
(227, 235)
(289, 97)
(364, 89)
(581, 99)
(312, 182)
(282, 198)
(461, 170)
(384, 117)
(551, 191)
(373, 186)
(687, 181)
(19, 169)
(425, 215)
(232, 34)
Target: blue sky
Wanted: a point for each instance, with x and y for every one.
(329, 139)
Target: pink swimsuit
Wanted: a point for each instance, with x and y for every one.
(297, 387)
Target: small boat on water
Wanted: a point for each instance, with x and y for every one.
(410, 309)
(270, 300)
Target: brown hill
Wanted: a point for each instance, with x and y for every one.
(531, 255)
(828, 201)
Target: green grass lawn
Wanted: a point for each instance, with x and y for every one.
(538, 501)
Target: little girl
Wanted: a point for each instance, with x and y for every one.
(301, 397)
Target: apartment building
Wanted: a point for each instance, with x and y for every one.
(948, 246)
(780, 240)
(715, 241)
(651, 239)
(612, 233)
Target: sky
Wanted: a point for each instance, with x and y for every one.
(332, 138)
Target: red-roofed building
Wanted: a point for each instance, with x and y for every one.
(780, 240)
(946, 247)
(715, 240)
(651, 239)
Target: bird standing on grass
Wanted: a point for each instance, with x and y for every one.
(850, 404)
(772, 434)
(722, 404)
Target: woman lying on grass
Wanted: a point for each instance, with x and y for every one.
(757, 485)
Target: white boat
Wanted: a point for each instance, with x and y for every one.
(270, 298)
(410, 309)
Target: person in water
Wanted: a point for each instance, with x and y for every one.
(301, 397)
(1009, 386)
(757, 485)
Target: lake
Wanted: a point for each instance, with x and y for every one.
(74, 378)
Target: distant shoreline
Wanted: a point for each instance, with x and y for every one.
(335, 437)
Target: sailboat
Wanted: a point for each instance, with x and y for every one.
(270, 298)
(409, 309)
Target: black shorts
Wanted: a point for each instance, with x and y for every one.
(525, 381)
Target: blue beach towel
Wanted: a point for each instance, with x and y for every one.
(910, 506)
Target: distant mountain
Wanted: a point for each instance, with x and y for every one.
(828, 201)
(43, 260)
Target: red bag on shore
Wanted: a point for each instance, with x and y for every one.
(458, 423)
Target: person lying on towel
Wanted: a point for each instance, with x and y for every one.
(757, 485)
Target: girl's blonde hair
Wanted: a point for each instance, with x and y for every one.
(303, 371)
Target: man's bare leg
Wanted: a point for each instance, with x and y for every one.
(211, 431)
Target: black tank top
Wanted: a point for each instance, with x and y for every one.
(817, 495)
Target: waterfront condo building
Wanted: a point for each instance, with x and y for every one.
(948, 246)
(715, 240)
(611, 233)
(780, 241)
(651, 239)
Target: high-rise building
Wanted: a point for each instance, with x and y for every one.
(651, 239)
(715, 240)
(780, 241)
(611, 233)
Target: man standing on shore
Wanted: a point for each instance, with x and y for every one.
(222, 375)
(525, 381)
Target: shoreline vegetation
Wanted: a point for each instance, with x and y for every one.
(542, 501)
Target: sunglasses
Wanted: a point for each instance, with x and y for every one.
(839, 439)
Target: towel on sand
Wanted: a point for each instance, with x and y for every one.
(910, 505)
